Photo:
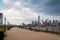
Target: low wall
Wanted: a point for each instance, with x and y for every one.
(50, 29)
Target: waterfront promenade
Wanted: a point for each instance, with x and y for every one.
(24, 34)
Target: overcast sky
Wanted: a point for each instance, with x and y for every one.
(18, 11)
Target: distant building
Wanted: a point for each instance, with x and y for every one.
(1, 18)
(23, 24)
(33, 23)
(39, 19)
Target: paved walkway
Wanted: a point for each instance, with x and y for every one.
(24, 34)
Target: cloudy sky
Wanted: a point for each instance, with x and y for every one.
(18, 11)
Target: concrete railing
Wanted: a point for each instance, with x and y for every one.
(50, 29)
(47, 29)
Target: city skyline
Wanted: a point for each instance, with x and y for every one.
(18, 11)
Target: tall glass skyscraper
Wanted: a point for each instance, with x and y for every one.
(38, 18)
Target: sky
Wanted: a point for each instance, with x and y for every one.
(18, 11)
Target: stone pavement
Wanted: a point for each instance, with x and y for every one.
(24, 34)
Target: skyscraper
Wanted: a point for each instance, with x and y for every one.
(38, 18)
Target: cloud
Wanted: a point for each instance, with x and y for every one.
(21, 15)
(6, 1)
(19, 11)
(17, 3)
(50, 7)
